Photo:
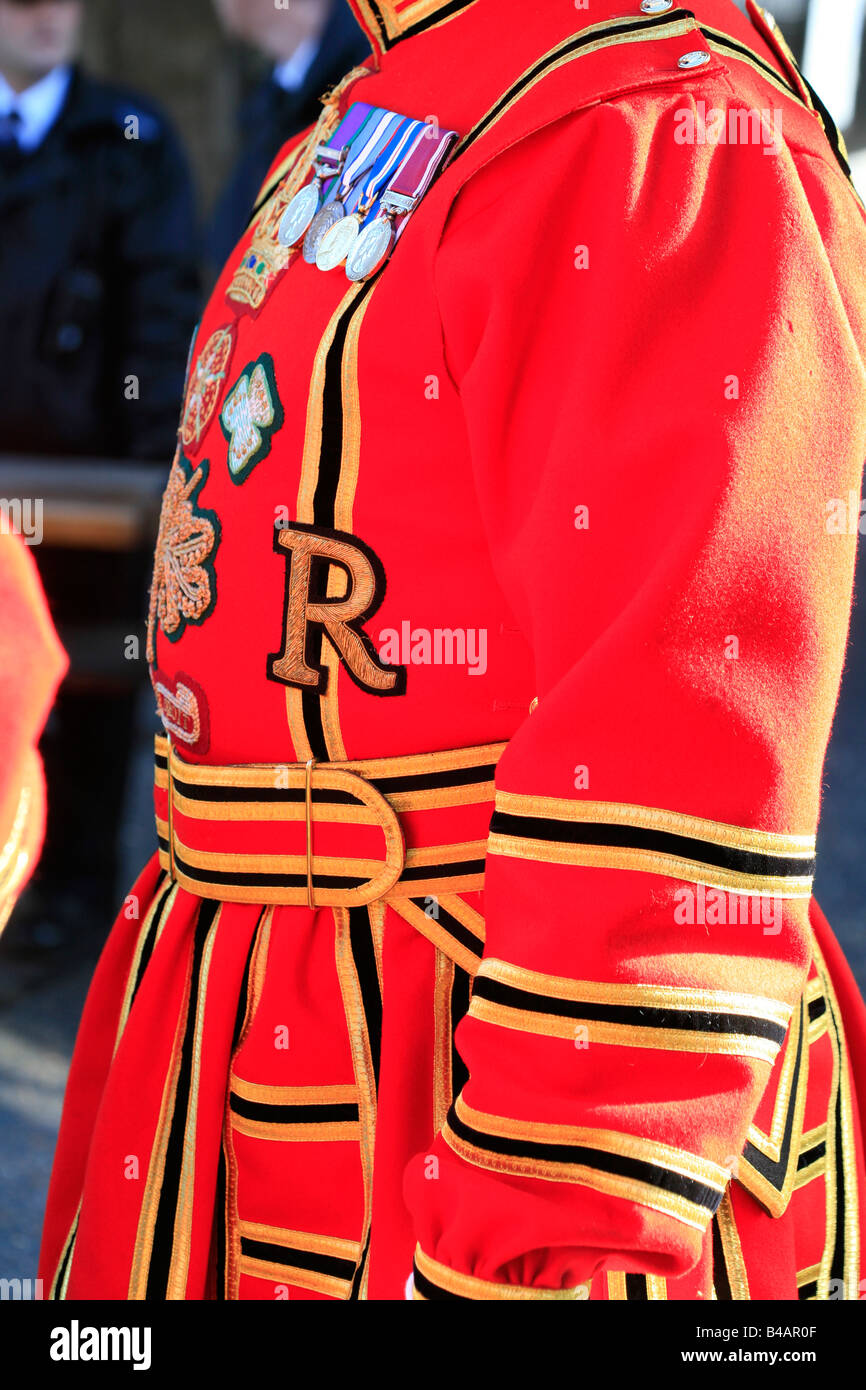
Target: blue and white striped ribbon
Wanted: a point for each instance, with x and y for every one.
(397, 153)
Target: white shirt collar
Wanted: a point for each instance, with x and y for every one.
(290, 74)
(38, 106)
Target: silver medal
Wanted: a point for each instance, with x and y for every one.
(371, 249)
(321, 223)
(337, 242)
(299, 214)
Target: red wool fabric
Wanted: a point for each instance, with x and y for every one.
(598, 406)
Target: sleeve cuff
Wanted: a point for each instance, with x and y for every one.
(433, 1281)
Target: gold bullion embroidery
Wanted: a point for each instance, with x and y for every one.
(184, 582)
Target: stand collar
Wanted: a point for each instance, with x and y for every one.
(386, 22)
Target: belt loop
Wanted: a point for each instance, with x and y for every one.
(170, 810)
(308, 811)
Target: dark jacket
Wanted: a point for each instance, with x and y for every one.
(98, 283)
(271, 116)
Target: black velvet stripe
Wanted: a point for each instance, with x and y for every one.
(164, 888)
(321, 795)
(450, 924)
(433, 1292)
(380, 24)
(161, 761)
(335, 796)
(620, 1165)
(66, 1261)
(237, 879)
(220, 1213)
(220, 1232)
(244, 993)
(775, 1173)
(325, 497)
(456, 870)
(388, 786)
(293, 1114)
(811, 1156)
(244, 880)
(725, 41)
(808, 1291)
(656, 841)
(837, 1264)
(311, 709)
(355, 1295)
(364, 956)
(297, 1259)
(831, 129)
(433, 781)
(565, 50)
(446, 12)
(163, 1235)
(331, 453)
(721, 1278)
(636, 1288)
(636, 1016)
(461, 994)
(364, 959)
(817, 1008)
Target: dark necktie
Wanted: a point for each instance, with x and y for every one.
(10, 130)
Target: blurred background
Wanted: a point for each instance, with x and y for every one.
(134, 136)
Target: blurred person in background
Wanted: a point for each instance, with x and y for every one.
(97, 273)
(312, 44)
(98, 297)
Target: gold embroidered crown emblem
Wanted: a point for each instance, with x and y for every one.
(264, 258)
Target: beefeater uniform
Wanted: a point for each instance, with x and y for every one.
(499, 610)
(32, 663)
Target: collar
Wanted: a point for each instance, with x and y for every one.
(38, 106)
(385, 22)
(290, 74)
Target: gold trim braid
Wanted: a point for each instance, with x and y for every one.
(468, 1286)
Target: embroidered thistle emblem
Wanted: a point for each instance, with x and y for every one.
(184, 583)
(206, 386)
(250, 416)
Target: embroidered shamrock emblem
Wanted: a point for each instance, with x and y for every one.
(184, 583)
(250, 416)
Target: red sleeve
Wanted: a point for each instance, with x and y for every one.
(659, 352)
(31, 664)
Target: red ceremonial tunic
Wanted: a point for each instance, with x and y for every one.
(31, 665)
(499, 610)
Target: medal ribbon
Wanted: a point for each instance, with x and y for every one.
(415, 175)
(407, 136)
(422, 157)
(352, 123)
(370, 144)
